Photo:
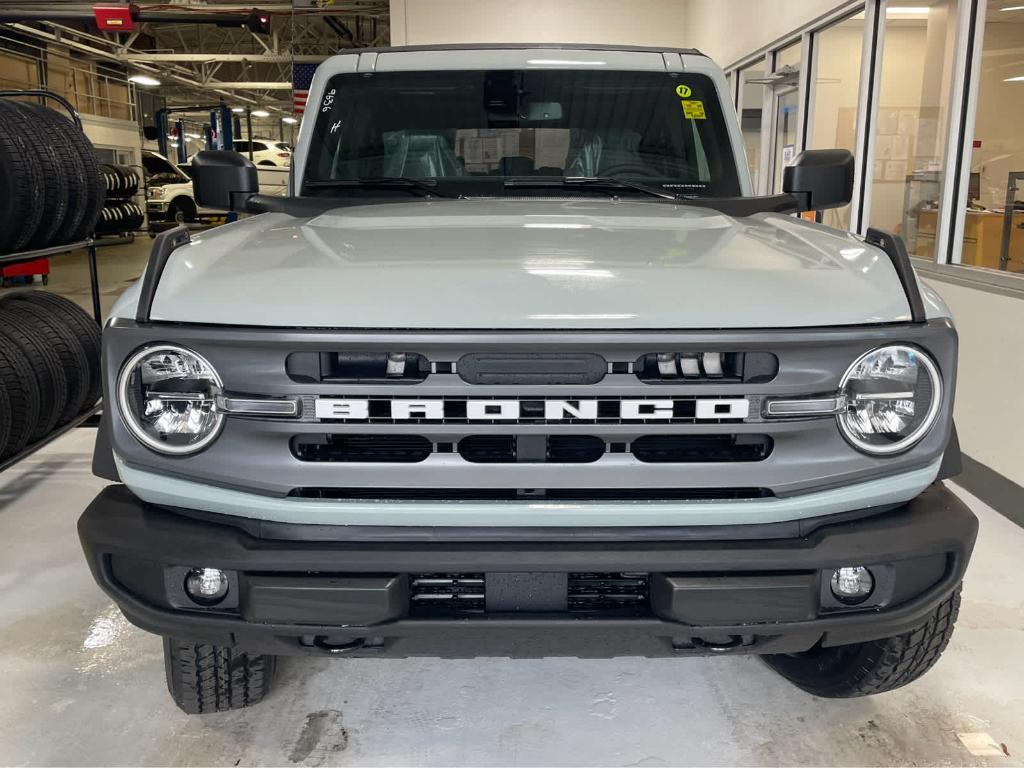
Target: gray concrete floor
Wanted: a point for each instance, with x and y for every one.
(80, 686)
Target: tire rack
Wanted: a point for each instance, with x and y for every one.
(91, 416)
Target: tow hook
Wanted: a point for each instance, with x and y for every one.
(325, 644)
(718, 645)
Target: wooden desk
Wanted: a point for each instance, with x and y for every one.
(983, 235)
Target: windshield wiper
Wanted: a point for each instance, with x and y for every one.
(428, 186)
(593, 182)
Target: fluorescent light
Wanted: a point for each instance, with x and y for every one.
(260, 113)
(906, 11)
(289, 120)
(238, 109)
(1017, 79)
(143, 80)
(1013, 8)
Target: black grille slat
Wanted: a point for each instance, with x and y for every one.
(506, 449)
(362, 448)
(683, 449)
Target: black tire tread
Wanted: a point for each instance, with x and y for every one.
(82, 325)
(876, 666)
(57, 131)
(64, 342)
(204, 678)
(22, 209)
(50, 379)
(19, 383)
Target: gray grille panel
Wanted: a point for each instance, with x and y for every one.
(254, 454)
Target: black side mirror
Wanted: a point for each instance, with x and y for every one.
(820, 179)
(223, 180)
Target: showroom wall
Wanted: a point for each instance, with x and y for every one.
(638, 22)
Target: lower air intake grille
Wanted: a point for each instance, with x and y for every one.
(446, 592)
(439, 594)
(599, 592)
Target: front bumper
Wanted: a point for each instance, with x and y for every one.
(298, 589)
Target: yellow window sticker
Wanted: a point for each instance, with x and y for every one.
(683, 91)
(694, 110)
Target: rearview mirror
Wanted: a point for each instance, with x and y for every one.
(223, 180)
(820, 179)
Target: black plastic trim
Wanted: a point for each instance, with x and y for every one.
(952, 460)
(117, 525)
(896, 249)
(163, 246)
(103, 454)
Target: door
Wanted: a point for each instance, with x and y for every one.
(784, 140)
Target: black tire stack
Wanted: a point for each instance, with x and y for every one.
(120, 214)
(49, 366)
(49, 176)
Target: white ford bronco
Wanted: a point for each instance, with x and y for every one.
(522, 367)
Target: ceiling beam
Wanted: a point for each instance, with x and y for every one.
(255, 58)
(254, 86)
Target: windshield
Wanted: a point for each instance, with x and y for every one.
(460, 129)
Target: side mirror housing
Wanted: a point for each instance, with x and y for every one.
(820, 179)
(223, 180)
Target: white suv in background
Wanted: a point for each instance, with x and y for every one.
(266, 152)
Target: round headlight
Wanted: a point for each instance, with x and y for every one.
(167, 396)
(892, 398)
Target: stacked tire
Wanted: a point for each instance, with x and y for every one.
(120, 213)
(49, 366)
(50, 177)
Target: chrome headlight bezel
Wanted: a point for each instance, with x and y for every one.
(128, 415)
(919, 433)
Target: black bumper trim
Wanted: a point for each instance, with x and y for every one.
(117, 524)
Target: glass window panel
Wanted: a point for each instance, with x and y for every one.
(751, 106)
(836, 88)
(785, 111)
(913, 112)
(994, 238)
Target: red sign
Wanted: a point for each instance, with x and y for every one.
(114, 18)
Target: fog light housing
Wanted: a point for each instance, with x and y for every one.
(207, 586)
(852, 584)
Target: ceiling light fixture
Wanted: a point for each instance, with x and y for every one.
(1013, 8)
(906, 11)
(238, 110)
(260, 113)
(143, 80)
(1017, 79)
(289, 120)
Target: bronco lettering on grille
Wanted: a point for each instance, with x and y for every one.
(535, 409)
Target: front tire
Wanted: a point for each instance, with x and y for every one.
(876, 666)
(204, 678)
(182, 212)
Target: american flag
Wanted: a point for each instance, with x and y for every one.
(302, 78)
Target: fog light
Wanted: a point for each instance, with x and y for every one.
(206, 585)
(853, 584)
